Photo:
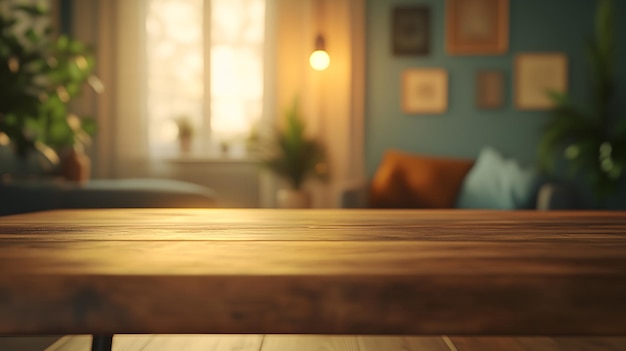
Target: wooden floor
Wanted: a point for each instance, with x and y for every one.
(315, 343)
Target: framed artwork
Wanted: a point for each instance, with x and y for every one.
(536, 74)
(490, 89)
(477, 27)
(425, 91)
(410, 30)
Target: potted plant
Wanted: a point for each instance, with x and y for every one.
(185, 133)
(593, 139)
(295, 158)
(39, 77)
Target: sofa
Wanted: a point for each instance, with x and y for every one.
(33, 183)
(38, 195)
(491, 181)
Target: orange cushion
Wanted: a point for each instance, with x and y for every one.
(406, 180)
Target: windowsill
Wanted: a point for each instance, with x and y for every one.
(212, 153)
(210, 159)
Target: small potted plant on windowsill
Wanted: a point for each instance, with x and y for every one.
(185, 133)
(296, 158)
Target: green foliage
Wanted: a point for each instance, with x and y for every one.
(39, 77)
(185, 126)
(294, 156)
(593, 140)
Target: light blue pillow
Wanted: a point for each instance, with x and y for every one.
(496, 182)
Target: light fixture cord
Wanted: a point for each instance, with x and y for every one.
(320, 16)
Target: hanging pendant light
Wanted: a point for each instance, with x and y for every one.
(319, 59)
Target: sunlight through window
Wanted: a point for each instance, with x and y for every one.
(222, 102)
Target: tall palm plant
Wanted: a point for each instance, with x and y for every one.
(292, 155)
(594, 138)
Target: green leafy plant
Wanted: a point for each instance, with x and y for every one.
(593, 140)
(294, 156)
(185, 127)
(39, 77)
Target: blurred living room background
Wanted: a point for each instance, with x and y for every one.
(191, 86)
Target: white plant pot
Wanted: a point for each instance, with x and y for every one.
(289, 198)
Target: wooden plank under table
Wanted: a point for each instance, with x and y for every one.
(254, 271)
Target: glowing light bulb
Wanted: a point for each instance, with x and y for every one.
(319, 60)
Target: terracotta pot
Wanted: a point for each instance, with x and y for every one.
(185, 144)
(76, 166)
(289, 198)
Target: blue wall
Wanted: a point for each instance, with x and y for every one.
(535, 25)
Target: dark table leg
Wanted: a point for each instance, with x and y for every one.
(101, 342)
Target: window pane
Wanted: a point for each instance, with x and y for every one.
(237, 73)
(176, 74)
(175, 68)
(237, 32)
(237, 21)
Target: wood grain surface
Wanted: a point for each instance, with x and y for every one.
(313, 272)
(334, 343)
(164, 343)
(402, 343)
(537, 344)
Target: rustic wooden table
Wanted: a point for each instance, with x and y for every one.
(454, 272)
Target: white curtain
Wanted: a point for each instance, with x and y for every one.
(122, 145)
(332, 100)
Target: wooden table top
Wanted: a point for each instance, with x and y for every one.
(432, 272)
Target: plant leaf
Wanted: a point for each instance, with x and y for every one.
(292, 154)
(32, 10)
(559, 98)
(605, 29)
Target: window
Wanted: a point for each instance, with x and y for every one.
(204, 64)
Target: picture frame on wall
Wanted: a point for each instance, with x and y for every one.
(537, 74)
(424, 91)
(490, 89)
(477, 27)
(410, 30)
